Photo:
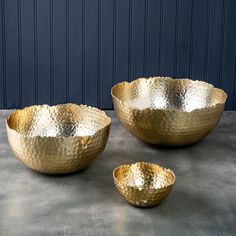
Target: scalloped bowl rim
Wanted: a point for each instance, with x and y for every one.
(108, 123)
(167, 109)
(146, 163)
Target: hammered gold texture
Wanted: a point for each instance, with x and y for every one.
(165, 111)
(143, 184)
(58, 139)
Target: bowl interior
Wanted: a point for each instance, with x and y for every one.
(58, 121)
(166, 93)
(144, 176)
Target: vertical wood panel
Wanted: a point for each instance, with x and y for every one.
(176, 38)
(130, 41)
(114, 37)
(27, 40)
(122, 39)
(59, 51)
(43, 25)
(99, 58)
(67, 50)
(137, 38)
(168, 38)
(2, 56)
(106, 57)
(215, 24)
(228, 75)
(35, 10)
(12, 53)
(145, 37)
(206, 57)
(51, 18)
(75, 51)
(199, 39)
(153, 38)
(184, 38)
(19, 27)
(192, 30)
(91, 51)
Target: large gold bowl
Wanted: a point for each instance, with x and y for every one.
(167, 111)
(143, 184)
(58, 139)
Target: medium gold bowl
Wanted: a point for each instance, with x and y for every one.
(143, 184)
(167, 111)
(58, 139)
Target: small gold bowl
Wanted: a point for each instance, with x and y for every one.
(58, 139)
(143, 184)
(167, 111)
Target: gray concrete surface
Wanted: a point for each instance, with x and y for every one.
(202, 202)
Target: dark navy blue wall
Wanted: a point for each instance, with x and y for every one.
(57, 51)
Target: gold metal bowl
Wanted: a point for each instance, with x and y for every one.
(143, 184)
(58, 139)
(167, 111)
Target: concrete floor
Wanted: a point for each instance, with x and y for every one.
(202, 202)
